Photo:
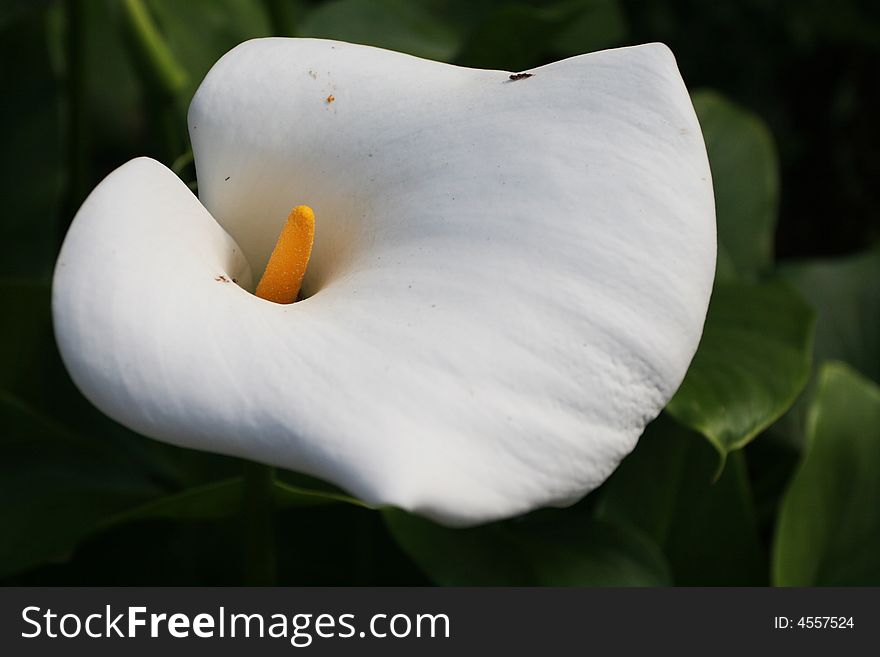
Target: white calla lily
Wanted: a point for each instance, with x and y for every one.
(509, 277)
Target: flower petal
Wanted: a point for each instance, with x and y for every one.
(509, 277)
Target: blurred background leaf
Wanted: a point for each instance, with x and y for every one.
(845, 293)
(393, 24)
(792, 144)
(746, 180)
(55, 487)
(12, 11)
(66, 467)
(706, 528)
(221, 499)
(546, 548)
(598, 24)
(829, 527)
(32, 170)
(199, 32)
(515, 36)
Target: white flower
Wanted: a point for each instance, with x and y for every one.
(509, 277)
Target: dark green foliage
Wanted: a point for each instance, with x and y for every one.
(829, 527)
(753, 360)
(785, 99)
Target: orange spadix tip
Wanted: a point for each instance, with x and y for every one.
(290, 257)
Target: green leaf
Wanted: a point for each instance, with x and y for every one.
(725, 270)
(745, 174)
(547, 548)
(288, 495)
(163, 75)
(846, 297)
(828, 532)
(222, 499)
(516, 36)
(393, 24)
(707, 529)
(199, 32)
(54, 487)
(284, 16)
(58, 488)
(753, 360)
(66, 467)
(599, 24)
(113, 95)
(105, 119)
(845, 294)
(31, 370)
